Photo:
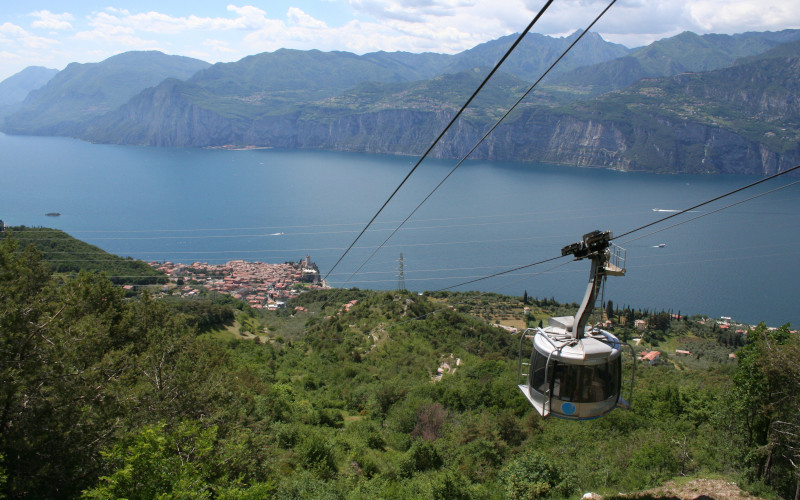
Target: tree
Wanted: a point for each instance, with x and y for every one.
(79, 366)
(767, 382)
(660, 321)
(610, 309)
(155, 462)
(59, 361)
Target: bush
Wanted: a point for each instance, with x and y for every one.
(534, 476)
(420, 457)
(317, 456)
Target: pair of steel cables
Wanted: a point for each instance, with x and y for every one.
(491, 129)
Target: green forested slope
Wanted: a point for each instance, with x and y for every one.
(67, 255)
(108, 398)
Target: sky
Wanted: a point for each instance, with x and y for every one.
(54, 33)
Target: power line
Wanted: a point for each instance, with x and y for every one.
(518, 218)
(655, 222)
(489, 132)
(707, 202)
(33, 236)
(709, 213)
(452, 121)
(254, 228)
(474, 298)
(501, 273)
(427, 272)
(323, 249)
(465, 242)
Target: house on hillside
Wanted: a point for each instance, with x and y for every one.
(651, 357)
(509, 329)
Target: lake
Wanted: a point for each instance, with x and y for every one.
(187, 205)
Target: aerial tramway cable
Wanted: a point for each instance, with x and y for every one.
(480, 141)
(709, 213)
(765, 179)
(450, 124)
(717, 198)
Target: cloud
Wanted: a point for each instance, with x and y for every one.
(713, 15)
(639, 22)
(51, 21)
(12, 34)
(9, 56)
(249, 17)
(113, 21)
(413, 11)
(447, 26)
(218, 45)
(300, 18)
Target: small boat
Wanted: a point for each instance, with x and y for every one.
(660, 245)
(52, 214)
(276, 234)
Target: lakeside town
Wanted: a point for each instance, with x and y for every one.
(262, 285)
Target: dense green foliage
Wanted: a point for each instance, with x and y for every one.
(104, 397)
(67, 255)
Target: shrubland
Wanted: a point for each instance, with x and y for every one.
(108, 396)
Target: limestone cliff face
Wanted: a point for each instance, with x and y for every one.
(673, 146)
(740, 119)
(162, 116)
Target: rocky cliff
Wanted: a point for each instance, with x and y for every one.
(542, 135)
(741, 119)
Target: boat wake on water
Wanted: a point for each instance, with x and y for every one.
(673, 211)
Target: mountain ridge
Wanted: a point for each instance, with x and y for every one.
(14, 89)
(375, 103)
(84, 91)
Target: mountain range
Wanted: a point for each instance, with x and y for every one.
(690, 103)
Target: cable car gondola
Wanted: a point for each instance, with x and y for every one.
(575, 372)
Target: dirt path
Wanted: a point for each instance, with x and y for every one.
(693, 490)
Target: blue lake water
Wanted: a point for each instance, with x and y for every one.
(212, 206)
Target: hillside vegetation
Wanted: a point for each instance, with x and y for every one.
(105, 397)
(68, 256)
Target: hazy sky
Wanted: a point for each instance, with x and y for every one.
(54, 33)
